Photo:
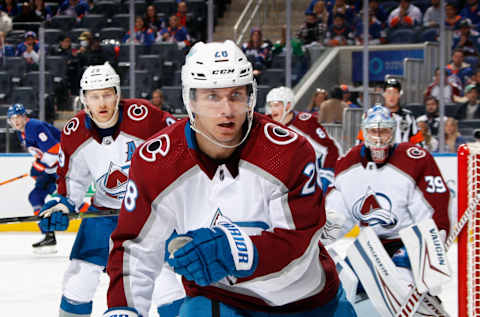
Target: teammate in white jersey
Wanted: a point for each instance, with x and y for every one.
(97, 146)
(280, 104)
(237, 211)
(387, 186)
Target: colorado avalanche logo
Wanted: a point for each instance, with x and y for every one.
(136, 112)
(416, 153)
(160, 145)
(304, 116)
(114, 182)
(279, 135)
(373, 209)
(71, 126)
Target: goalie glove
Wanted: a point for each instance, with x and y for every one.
(211, 254)
(333, 228)
(55, 214)
(121, 311)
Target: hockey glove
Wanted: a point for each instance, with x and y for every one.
(212, 254)
(121, 311)
(55, 214)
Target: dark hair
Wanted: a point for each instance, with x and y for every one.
(392, 82)
(428, 98)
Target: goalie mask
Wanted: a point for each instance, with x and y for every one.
(277, 98)
(217, 65)
(100, 77)
(378, 128)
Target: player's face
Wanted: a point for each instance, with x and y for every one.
(101, 103)
(380, 136)
(277, 110)
(18, 122)
(221, 112)
(392, 96)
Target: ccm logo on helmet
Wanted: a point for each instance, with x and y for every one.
(223, 71)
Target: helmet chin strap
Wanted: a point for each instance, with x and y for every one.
(225, 146)
(108, 124)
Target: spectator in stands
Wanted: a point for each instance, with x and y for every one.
(470, 109)
(432, 15)
(331, 110)
(258, 51)
(453, 138)
(319, 96)
(431, 116)
(70, 84)
(341, 7)
(151, 19)
(467, 39)
(143, 34)
(378, 12)
(321, 14)
(93, 53)
(340, 32)
(471, 11)
(174, 33)
(452, 19)
(5, 23)
(475, 80)
(42, 11)
(10, 7)
(347, 97)
(27, 14)
(451, 90)
(459, 67)
(430, 142)
(74, 8)
(30, 39)
(183, 18)
(405, 15)
(31, 57)
(5, 48)
(476, 135)
(311, 32)
(158, 100)
(376, 34)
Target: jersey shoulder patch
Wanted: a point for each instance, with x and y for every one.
(155, 147)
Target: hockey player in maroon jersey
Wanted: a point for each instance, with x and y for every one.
(280, 104)
(235, 190)
(97, 146)
(387, 187)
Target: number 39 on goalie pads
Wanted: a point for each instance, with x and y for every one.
(427, 255)
(383, 283)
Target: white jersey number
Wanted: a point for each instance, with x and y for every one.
(435, 184)
(130, 200)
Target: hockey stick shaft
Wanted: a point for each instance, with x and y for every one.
(80, 215)
(13, 179)
(415, 298)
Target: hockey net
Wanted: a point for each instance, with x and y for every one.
(469, 238)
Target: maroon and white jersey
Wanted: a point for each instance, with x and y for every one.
(266, 187)
(389, 197)
(86, 157)
(326, 148)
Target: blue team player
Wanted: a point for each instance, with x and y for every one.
(42, 140)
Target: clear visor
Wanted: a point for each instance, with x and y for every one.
(220, 102)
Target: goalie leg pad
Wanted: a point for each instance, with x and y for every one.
(347, 276)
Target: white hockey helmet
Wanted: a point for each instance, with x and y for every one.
(217, 65)
(284, 95)
(378, 117)
(100, 77)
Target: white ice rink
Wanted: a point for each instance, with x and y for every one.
(30, 285)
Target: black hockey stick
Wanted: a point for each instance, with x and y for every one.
(80, 215)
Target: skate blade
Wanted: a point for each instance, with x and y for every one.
(51, 249)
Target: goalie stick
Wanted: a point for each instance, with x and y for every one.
(13, 179)
(415, 298)
(80, 215)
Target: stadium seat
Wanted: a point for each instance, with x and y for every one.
(272, 77)
(108, 8)
(16, 66)
(197, 7)
(401, 36)
(417, 109)
(472, 60)
(262, 92)
(63, 22)
(4, 85)
(124, 53)
(474, 124)
(422, 4)
(15, 36)
(151, 62)
(29, 26)
(428, 35)
(4, 109)
(121, 19)
(56, 66)
(451, 110)
(278, 61)
(32, 79)
(25, 96)
(52, 36)
(143, 83)
(125, 91)
(173, 97)
(75, 33)
(140, 7)
(167, 51)
(115, 33)
(388, 6)
(94, 21)
(165, 6)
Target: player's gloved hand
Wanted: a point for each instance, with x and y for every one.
(121, 311)
(210, 254)
(55, 214)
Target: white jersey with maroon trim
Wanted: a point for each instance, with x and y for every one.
(266, 188)
(405, 190)
(85, 157)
